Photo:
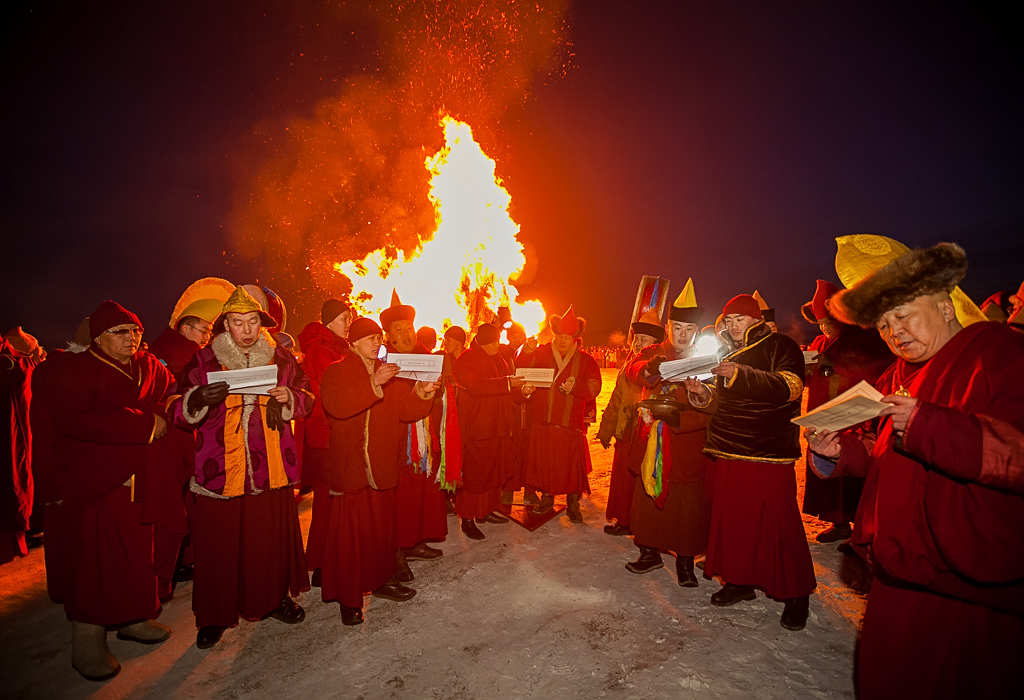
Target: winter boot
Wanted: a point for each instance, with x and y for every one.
(650, 560)
(145, 632)
(470, 529)
(794, 615)
(684, 571)
(403, 572)
(572, 508)
(89, 653)
(547, 502)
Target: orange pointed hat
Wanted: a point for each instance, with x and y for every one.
(567, 324)
(684, 309)
(816, 311)
(396, 312)
(767, 312)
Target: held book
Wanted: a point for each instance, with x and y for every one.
(810, 357)
(540, 377)
(422, 368)
(251, 380)
(688, 367)
(855, 405)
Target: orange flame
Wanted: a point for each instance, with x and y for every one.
(461, 275)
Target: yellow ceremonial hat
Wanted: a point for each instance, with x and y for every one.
(685, 309)
(241, 302)
(203, 299)
(860, 254)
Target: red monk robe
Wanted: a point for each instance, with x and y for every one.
(486, 411)
(368, 425)
(681, 521)
(105, 423)
(321, 348)
(16, 485)
(557, 458)
(943, 515)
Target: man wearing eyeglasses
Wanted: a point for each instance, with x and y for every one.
(108, 419)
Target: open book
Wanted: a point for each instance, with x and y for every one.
(855, 405)
(677, 370)
(249, 380)
(418, 366)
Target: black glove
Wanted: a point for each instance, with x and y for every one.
(207, 395)
(274, 419)
(606, 440)
(653, 367)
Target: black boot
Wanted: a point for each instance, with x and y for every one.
(470, 529)
(572, 507)
(650, 560)
(684, 570)
(730, 594)
(403, 573)
(794, 615)
(547, 502)
(351, 616)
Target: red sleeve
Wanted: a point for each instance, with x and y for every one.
(81, 415)
(347, 389)
(471, 374)
(855, 453)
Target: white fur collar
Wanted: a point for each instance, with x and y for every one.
(232, 357)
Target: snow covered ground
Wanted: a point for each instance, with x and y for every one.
(552, 613)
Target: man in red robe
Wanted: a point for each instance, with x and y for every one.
(557, 458)
(108, 424)
(942, 513)
(367, 409)
(757, 537)
(420, 505)
(486, 412)
(323, 343)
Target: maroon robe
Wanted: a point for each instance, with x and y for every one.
(366, 450)
(943, 517)
(16, 483)
(558, 458)
(104, 418)
(680, 524)
(485, 420)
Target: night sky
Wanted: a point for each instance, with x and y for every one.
(730, 142)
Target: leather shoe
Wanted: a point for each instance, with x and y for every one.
(289, 612)
(684, 572)
(493, 519)
(184, 573)
(838, 531)
(794, 615)
(316, 579)
(616, 529)
(351, 616)
(393, 590)
(423, 552)
(470, 530)
(449, 507)
(208, 636)
(730, 594)
(546, 504)
(572, 508)
(650, 560)
(403, 573)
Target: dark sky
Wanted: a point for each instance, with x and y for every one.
(730, 142)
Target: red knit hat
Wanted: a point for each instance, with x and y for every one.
(487, 333)
(110, 314)
(743, 304)
(361, 328)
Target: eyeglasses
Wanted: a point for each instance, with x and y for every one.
(125, 332)
(204, 332)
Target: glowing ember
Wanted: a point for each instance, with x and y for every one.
(461, 275)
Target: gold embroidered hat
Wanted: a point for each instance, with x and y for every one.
(241, 302)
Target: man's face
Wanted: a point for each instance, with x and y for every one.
(829, 329)
(120, 342)
(562, 342)
(368, 346)
(737, 325)
(453, 347)
(641, 341)
(491, 348)
(681, 334)
(339, 326)
(918, 329)
(402, 336)
(515, 337)
(198, 331)
(244, 328)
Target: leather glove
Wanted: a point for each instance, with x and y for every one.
(275, 421)
(207, 395)
(653, 367)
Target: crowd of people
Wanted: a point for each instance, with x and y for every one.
(148, 466)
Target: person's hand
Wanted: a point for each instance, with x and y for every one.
(516, 382)
(384, 374)
(275, 419)
(566, 387)
(425, 390)
(902, 407)
(653, 366)
(605, 440)
(161, 427)
(207, 395)
(280, 393)
(823, 442)
(696, 390)
(725, 369)
(528, 390)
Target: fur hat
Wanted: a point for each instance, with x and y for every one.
(567, 324)
(649, 324)
(396, 312)
(917, 273)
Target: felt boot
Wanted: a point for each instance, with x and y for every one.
(145, 632)
(89, 653)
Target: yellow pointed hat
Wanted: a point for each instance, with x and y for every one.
(684, 309)
(767, 312)
(859, 255)
(241, 302)
(203, 299)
